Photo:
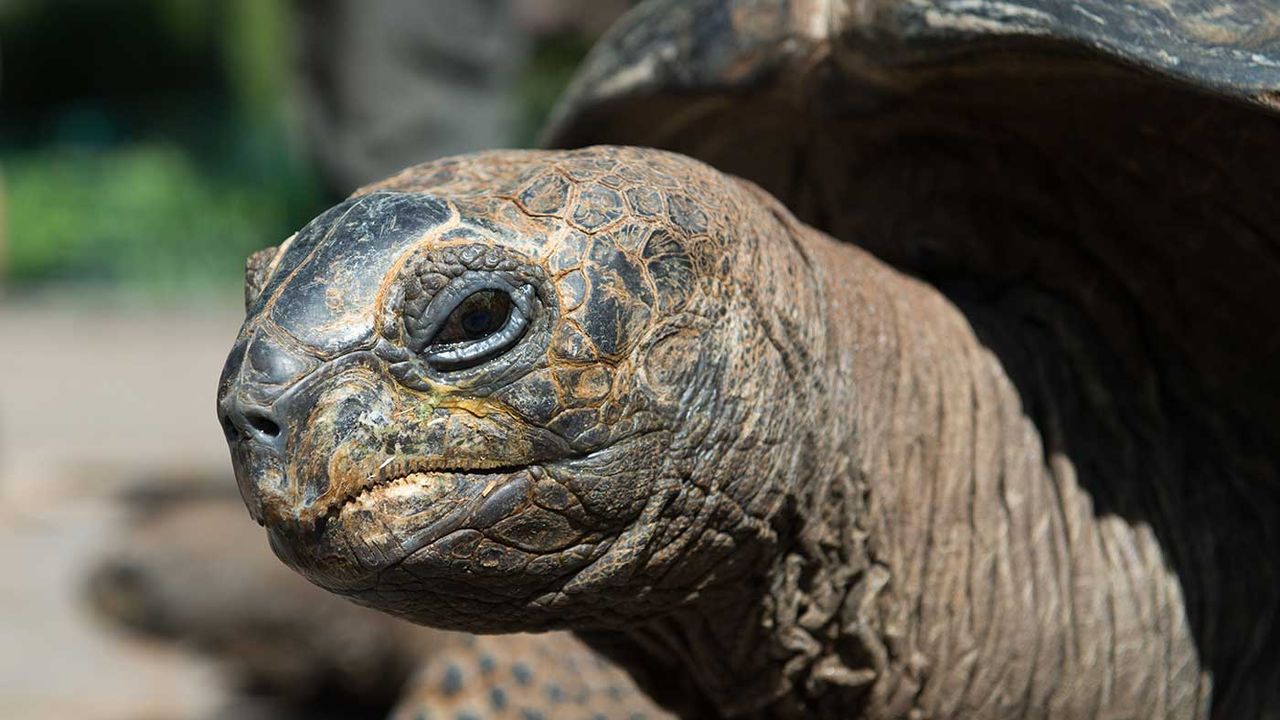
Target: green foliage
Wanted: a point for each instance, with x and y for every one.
(256, 54)
(147, 145)
(154, 158)
(143, 215)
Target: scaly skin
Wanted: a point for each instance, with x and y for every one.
(523, 677)
(190, 572)
(770, 474)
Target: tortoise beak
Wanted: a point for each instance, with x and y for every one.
(261, 396)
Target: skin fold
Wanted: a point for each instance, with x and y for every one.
(767, 473)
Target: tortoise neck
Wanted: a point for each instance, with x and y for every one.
(978, 504)
(964, 535)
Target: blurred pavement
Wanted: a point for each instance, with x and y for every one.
(95, 396)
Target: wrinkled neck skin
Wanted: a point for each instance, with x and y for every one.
(920, 553)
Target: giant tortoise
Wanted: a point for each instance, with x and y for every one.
(993, 435)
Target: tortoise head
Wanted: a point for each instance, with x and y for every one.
(511, 379)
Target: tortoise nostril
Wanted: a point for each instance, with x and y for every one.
(253, 424)
(263, 424)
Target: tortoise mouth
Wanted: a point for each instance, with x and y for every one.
(426, 479)
(415, 510)
(420, 508)
(461, 498)
(385, 523)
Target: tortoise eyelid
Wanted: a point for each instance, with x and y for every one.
(468, 354)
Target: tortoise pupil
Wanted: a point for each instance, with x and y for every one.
(478, 316)
(478, 323)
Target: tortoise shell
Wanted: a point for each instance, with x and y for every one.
(1122, 155)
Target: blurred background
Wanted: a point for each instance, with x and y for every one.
(146, 147)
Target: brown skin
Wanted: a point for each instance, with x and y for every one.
(770, 474)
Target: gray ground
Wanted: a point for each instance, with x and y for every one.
(95, 396)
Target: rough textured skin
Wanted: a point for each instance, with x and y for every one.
(192, 572)
(772, 475)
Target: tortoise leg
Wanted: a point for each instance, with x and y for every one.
(523, 677)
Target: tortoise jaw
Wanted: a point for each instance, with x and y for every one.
(385, 523)
(499, 498)
(456, 498)
(426, 478)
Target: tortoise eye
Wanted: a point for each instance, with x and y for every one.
(481, 326)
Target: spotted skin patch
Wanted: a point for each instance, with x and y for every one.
(523, 677)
